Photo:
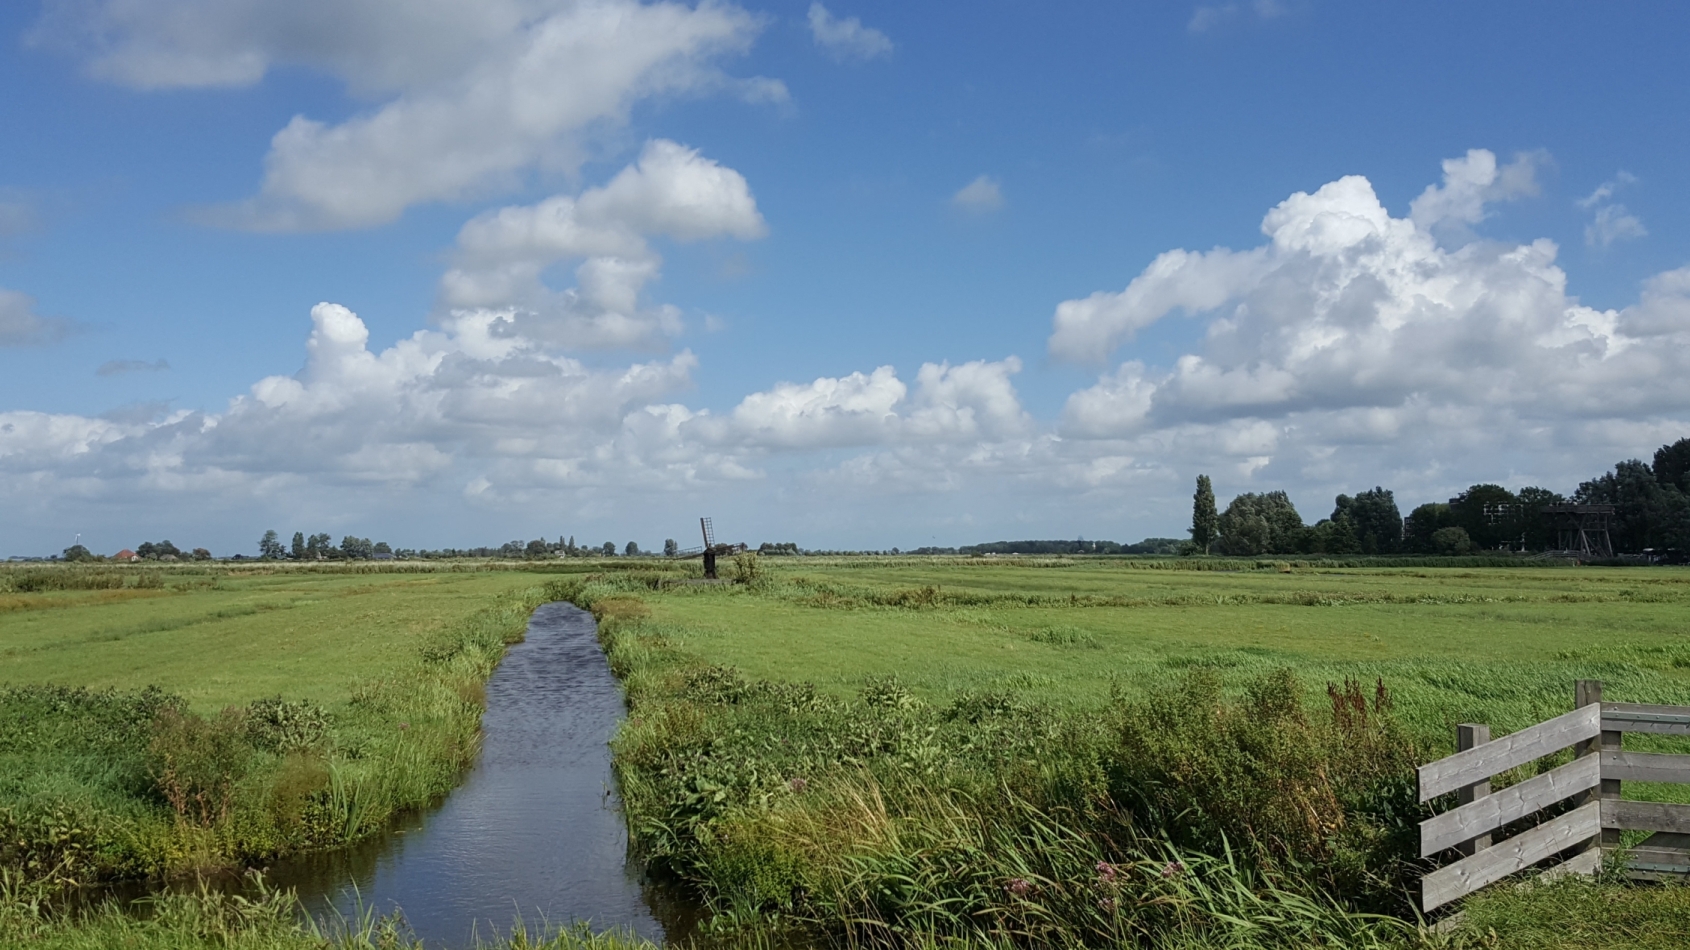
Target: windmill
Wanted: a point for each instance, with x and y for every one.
(711, 549)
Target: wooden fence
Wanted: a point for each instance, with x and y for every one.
(1594, 818)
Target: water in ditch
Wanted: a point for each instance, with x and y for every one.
(533, 833)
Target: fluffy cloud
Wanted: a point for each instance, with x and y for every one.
(1470, 183)
(496, 420)
(981, 195)
(847, 38)
(952, 404)
(672, 191)
(1351, 348)
(471, 96)
(405, 415)
(20, 325)
(1611, 221)
(1354, 343)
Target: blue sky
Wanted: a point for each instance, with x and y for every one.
(771, 202)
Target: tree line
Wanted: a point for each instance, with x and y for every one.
(1651, 504)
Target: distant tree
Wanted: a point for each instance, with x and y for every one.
(201, 554)
(1373, 520)
(1646, 513)
(1529, 524)
(269, 547)
(670, 548)
(1265, 523)
(1204, 521)
(1451, 540)
(319, 546)
(298, 547)
(1423, 522)
(535, 548)
(1487, 512)
(356, 548)
(609, 549)
(155, 551)
(77, 552)
(632, 549)
(1672, 465)
(570, 548)
(382, 547)
(1334, 535)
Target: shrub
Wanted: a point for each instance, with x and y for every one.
(197, 762)
(282, 726)
(1452, 540)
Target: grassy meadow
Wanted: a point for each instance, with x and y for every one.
(1496, 645)
(875, 751)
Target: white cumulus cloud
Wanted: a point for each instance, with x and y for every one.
(1353, 342)
(1470, 183)
(469, 97)
(671, 191)
(846, 38)
(1610, 221)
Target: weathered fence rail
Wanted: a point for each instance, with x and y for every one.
(1590, 785)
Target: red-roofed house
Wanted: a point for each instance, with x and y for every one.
(126, 555)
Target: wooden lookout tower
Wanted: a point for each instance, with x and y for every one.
(1582, 530)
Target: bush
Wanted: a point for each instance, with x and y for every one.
(1330, 796)
(1451, 541)
(196, 762)
(282, 726)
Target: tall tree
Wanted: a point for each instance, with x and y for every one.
(1265, 523)
(670, 548)
(1530, 525)
(1425, 521)
(1485, 511)
(1377, 521)
(1672, 465)
(298, 546)
(1645, 512)
(1204, 519)
(270, 546)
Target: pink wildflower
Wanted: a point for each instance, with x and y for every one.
(1106, 872)
(1172, 869)
(797, 785)
(1019, 886)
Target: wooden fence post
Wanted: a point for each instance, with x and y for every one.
(1468, 735)
(1586, 692)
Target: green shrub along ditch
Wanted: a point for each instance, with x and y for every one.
(103, 785)
(1194, 818)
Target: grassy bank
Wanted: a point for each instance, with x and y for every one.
(1086, 752)
(257, 920)
(159, 723)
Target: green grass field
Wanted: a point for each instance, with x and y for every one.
(220, 637)
(1456, 645)
(881, 740)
